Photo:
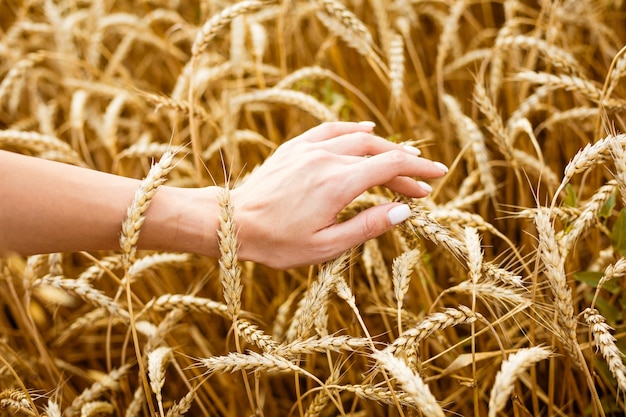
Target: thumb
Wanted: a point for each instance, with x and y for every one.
(367, 225)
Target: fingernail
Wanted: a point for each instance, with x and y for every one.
(426, 187)
(398, 214)
(412, 150)
(441, 166)
(368, 123)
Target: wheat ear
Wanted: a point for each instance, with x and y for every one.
(411, 383)
(605, 344)
(135, 215)
(230, 271)
(554, 264)
(158, 360)
(212, 26)
(510, 371)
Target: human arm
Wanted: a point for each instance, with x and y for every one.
(285, 211)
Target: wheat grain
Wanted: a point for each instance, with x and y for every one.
(510, 371)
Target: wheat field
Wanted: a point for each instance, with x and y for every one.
(503, 294)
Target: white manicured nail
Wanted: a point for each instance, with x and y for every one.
(426, 187)
(441, 166)
(368, 123)
(398, 214)
(412, 150)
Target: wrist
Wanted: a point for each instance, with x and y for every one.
(183, 220)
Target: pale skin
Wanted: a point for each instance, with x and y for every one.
(285, 211)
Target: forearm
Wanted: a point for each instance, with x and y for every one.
(52, 207)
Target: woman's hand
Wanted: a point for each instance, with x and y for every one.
(286, 210)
